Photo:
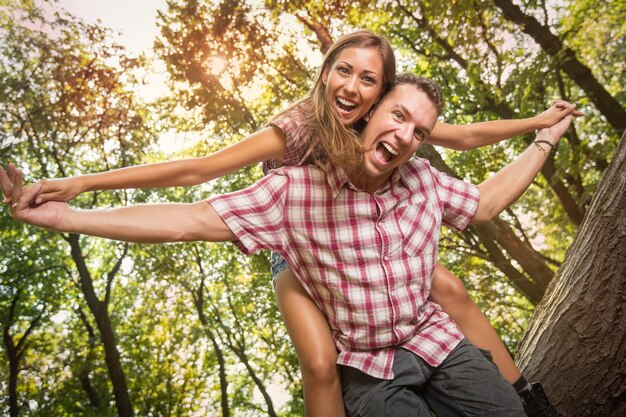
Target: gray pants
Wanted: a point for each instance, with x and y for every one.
(467, 383)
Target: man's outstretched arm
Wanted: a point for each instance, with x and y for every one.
(151, 223)
(507, 185)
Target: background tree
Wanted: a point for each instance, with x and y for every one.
(195, 326)
(68, 108)
(579, 330)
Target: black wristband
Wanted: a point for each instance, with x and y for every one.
(546, 142)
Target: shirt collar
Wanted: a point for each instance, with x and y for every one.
(337, 177)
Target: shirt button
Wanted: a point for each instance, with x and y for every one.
(386, 257)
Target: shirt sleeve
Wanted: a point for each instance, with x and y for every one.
(255, 215)
(297, 136)
(459, 200)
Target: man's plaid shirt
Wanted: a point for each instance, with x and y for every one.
(365, 259)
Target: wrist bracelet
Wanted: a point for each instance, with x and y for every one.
(546, 142)
(537, 144)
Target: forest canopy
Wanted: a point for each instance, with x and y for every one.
(193, 329)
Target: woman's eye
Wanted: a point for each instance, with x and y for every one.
(398, 115)
(343, 70)
(369, 80)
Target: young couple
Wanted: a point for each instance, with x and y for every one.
(357, 218)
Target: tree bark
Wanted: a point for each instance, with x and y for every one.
(567, 61)
(107, 334)
(238, 348)
(15, 352)
(84, 372)
(198, 302)
(576, 342)
(14, 361)
(198, 298)
(321, 32)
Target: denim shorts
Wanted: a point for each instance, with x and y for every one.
(278, 265)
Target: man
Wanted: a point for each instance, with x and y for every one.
(363, 243)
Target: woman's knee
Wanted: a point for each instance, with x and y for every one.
(320, 368)
(448, 289)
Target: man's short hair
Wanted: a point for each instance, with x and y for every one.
(427, 86)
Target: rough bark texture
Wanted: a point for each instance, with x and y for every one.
(576, 342)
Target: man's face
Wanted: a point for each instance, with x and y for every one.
(394, 131)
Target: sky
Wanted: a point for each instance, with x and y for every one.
(134, 26)
(135, 18)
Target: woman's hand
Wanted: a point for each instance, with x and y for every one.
(61, 189)
(559, 110)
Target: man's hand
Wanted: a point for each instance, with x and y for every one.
(22, 202)
(61, 189)
(555, 132)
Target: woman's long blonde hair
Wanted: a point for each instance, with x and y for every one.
(331, 140)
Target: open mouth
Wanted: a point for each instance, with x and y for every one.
(345, 106)
(385, 152)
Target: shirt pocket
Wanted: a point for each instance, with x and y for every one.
(419, 225)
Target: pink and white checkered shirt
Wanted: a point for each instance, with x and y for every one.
(365, 259)
(298, 143)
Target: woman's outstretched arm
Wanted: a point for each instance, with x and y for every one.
(267, 143)
(475, 135)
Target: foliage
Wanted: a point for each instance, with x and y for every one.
(195, 321)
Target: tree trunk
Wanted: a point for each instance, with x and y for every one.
(15, 352)
(321, 31)
(576, 341)
(14, 370)
(84, 372)
(497, 236)
(198, 298)
(107, 334)
(567, 62)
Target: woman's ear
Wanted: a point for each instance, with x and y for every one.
(325, 75)
(368, 115)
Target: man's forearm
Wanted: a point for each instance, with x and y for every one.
(507, 185)
(153, 223)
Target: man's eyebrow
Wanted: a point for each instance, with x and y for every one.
(406, 111)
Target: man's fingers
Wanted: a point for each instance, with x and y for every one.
(26, 196)
(42, 198)
(29, 194)
(6, 184)
(11, 171)
(17, 187)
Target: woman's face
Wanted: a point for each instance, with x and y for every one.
(353, 83)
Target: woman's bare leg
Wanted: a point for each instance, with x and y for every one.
(450, 293)
(310, 335)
